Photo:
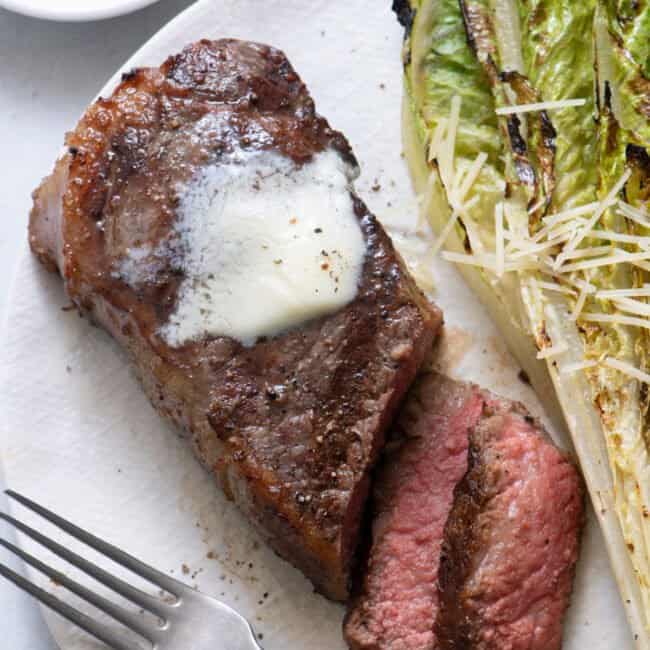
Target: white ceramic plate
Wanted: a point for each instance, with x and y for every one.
(74, 10)
(79, 435)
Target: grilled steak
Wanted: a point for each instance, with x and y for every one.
(292, 424)
(498, 573)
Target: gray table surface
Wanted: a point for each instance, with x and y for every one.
(48, 73)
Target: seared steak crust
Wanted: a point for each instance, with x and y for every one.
(291, 426)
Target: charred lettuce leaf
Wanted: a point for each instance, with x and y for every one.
(558, 58)
(623, 43)
(493, 33)
(439, 64)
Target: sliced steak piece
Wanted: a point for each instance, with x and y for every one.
(413, 495)
(477, 519)
(292, 424)
(512, 539)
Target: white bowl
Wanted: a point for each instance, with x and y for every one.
(74, 10)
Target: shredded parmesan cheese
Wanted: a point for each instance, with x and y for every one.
(582, 298)
(436, 140)
(588, 252)
(632, 259)
(627, 369)
(454, 118)
(581, 284)
(472, 175)
(424, 200)
(500, 254)
(457, 180)
(567, 229)
(633, 306)
(617, 258)
(532, 249)
(596, 317)
(488, 261)
(607, 202)
(552, 351)
(448, 148)
(634, 214)
(444, 233)
(614, 364)
(624, 293)
(565, 215)
(541, 106)
(471, 260)
(554, 286)
(643, 242)
(523, 265)
(578, 365)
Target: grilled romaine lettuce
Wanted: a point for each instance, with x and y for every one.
(554, 233)
(558, 58)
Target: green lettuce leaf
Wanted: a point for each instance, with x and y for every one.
(623, 42)
(440, 65)
(495, 38)
(558, 58)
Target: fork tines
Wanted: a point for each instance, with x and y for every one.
(115, 639)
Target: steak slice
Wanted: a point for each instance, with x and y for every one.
(512, 539)
(292, 424)
(413, 495)
(477, 519)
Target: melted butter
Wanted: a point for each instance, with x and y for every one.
(265, 246)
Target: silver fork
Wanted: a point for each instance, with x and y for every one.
(192, 621)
